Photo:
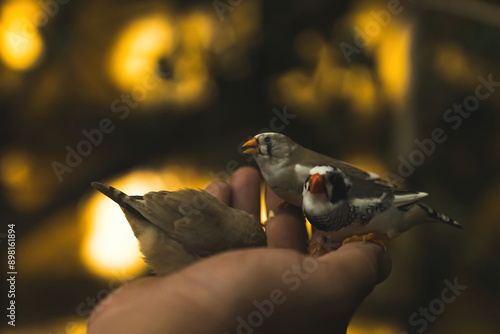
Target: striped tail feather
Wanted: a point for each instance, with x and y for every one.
(439, 216)
(116, 195)
(135, 218)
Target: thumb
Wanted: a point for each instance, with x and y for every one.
(353, 271)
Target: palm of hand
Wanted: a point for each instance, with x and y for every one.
(261, 290)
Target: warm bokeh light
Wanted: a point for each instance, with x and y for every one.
(393, 59)
(295, 87)
(133, 61)
(20, 43)
(14, 169)
(197, 30)
(390, 43)
(186, 44)
(362, 21)
(110, 245)
(263, 207)
(456, 65)
(110, 248)
(135, 54)
(308, 228)
(66, 326)
(21, 179)
(364, 326)
(359, 88)
(314, 91)
(79, 327)
(368, 162)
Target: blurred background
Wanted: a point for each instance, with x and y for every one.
(150, 95)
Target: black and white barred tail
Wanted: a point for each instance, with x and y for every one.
(439, 216)
(113, 193)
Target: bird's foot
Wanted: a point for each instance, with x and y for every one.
(379, 238)
(321, 246)
(316, 248)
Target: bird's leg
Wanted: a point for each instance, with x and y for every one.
(379, 238)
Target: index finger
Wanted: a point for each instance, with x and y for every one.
(286, 229)
(245, 190)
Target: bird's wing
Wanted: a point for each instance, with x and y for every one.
(158, 208)
(404, 197)
(317, 159)
(370, 190)
(191, 215)
(217, 227)
(362, 188)
(198, 221)
(310, 158)
(194, 218)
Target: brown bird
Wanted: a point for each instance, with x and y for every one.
(177, 228)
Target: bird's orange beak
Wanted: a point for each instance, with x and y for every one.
(251, 146)
(316, 184)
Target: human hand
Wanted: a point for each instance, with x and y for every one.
(262, 290)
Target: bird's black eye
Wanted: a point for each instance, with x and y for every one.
(267, 140)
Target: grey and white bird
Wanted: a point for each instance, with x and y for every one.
(177, 228)
(285, 165)
(346, 207)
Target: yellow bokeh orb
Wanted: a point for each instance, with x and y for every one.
(20, 42)
(134, 55)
